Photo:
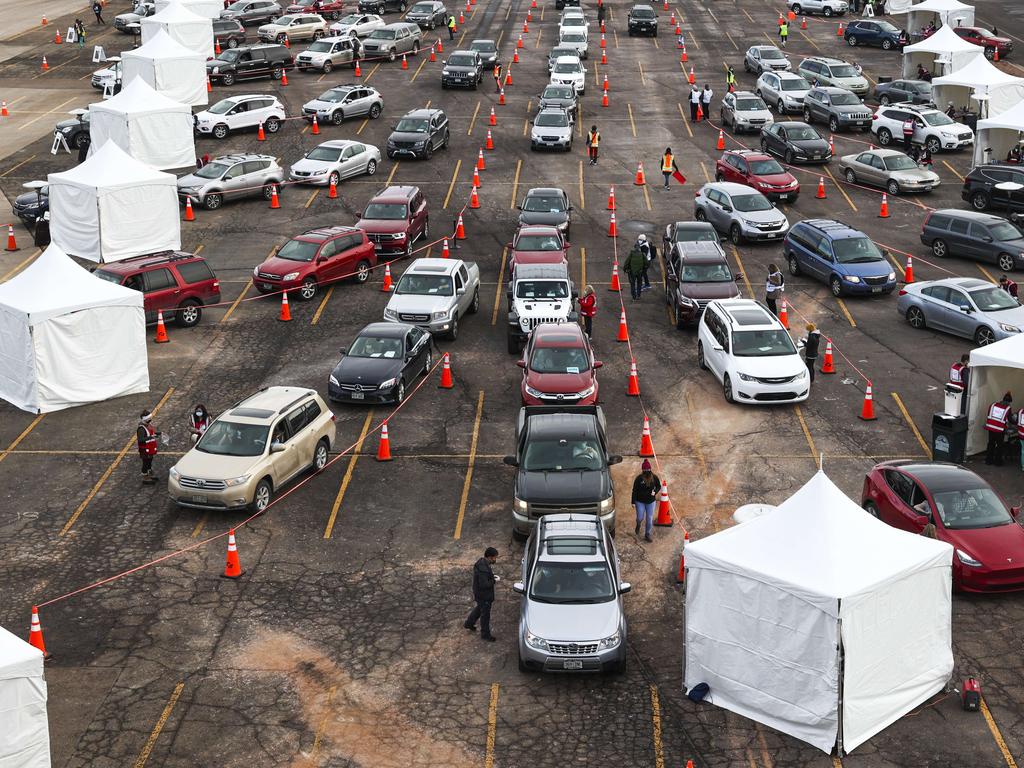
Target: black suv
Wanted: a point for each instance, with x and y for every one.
(380, 7)
(249, 61)
(418, 134)
(981, 188)
(76, 130)
(462, 69)
(643, 21)
(228, 32)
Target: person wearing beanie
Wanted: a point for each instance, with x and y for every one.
(484, 580)
(645, 494)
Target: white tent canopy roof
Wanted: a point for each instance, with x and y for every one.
(1000, 132)
(1008, 353)
(209, 9)
(979, 78)
(139, 98)
(948, 12)
(979, 73)
(110, 168)
(24, 739)
(190, 29)
(944, 40)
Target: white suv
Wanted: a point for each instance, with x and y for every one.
(569, 70)
(238, 112)
(932, 127)
(299, 26)
(749, 351)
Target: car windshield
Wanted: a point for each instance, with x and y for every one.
(573, 37)
(750, 104)
(856, 250)
(230, 438)
(221, 106)
(696, 235)
(643, 13)
(1004, 230)
(320, 46)
(545, 204)
(284, 21)
(993, 299)
(706, 273)
(771, 54)
(557, 92)
(327, 154)
(567, 67)
(423, 7)
(412, 125)
(298, 250)
(562, 455)
(748, 203)
(538, 243)
(773, 343)
(212, 170)
(425, 285)
(574, 21)
(391, 211)
(571, 583)
(795, 84)
(461, 60)
(898, 163)
(971, 508)
(801, 133)
(938, 118)
(230, 55)
(350, 20)
(382, 34)
(375, 346)
(333, 95)
(542, 289)
(844, 70)
(846, 100)
(559, 360)
(484, 46)
(766, 167)
(551, 119)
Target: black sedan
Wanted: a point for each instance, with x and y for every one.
(795, 142)
(899, 91)
(688, 232)
(381, 363)
(31, 205)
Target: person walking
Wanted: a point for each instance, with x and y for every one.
(497, 77)
(484, 580)
(451, 27)
(147, 436)
(588, 309)
(773, 288)
(645, 495)
(600, 14)
(593, 143)
(694, 102)
(730, 80)
(705, 100)
(647, 249)
(80, 33)
(668, 165)
(634, 268)
(996, 424)
(198, 421)
(810, 343)
(783, 33)
(97, 8)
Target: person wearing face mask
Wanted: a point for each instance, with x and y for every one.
(198, 421)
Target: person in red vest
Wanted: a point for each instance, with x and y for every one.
(147, 436)
(588, 308)
(1008, 285)
(198, 421)
(958, 371)
(996, 423)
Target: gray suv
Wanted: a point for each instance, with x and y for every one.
(974, 235)
(428, 14)
(253, 11)
(229, 177)
(837, 107)
(418, 134)
(571, 617)
(560, 96)
(393, 41)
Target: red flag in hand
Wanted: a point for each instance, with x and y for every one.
(678, 177)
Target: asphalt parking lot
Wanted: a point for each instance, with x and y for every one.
(342, 645)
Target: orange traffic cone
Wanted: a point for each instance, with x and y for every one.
(3, 110)
(494, 118)
(790, 15)
(640, 178)
(286, 311)
(603, 43)
(867, 411)
(440, 45)
(681, 579)
(721, 139)
(519, 43)
(460, 229)
(12, 244)
(359, 70)
(646, 444)
(45, 22)
(216, 46)
(623, 330)
(447, 382)
(481, 164)
(672, 19)
(501, 97)
(908, 274)
(57, 38)
(604, 99)
(232, 566)
(405, 62)
(260, 135)
(683, 57)
(45, 65)
(821, 188)
(315, 130)
(995, 51)
(433, 56)
(275, 202)
(284, 77)
(508, 77)
(490, 140)
(665, 6)
(664, 518)
(384, 446)
(612, 230)
(387, 279)
(476, 178)
(700, 113)
(611, 198)
(474, 200)
(883, 212)
(614, 284)
(784, 315)
(604, 83)
(831, 144)
(189, 213)
(604, 57)
(35, 631)
(332, 192)
(445, 252)
(515, 56)
(633, 388)
(209, 86)
(161, 329)
(526, 27)
(828, 366)
(839, 31)
(529, 15)
(603, 30)
(691, 78)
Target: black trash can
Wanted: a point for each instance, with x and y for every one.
(949, 438)
(42, 234)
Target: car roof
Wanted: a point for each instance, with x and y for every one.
(836, 230)
(764, 48)
(882, 152)
(563, 426)
(558, 334)
(701, 252)
(422, 113)
(542, 272)
(538, 191)
(434, 266)
(961, 213)
(747, 314)
(537, 229)
(137, 263)
(939, 476)
(239, 157)
(466, 51)
(401, 192)
(482, 40)
(333, 39)
(967, 283)
(264, 406)
(385, 330)
(695, 225)
(337, 143)
(825, 60)
(749, 154)
(731, 187)
(323, 233)
(553, 109)
(786, 75)
(567, 59)
(737, 94)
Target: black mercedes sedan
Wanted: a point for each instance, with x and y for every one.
(380, 364)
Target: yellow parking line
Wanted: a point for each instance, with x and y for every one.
(583, 267)
(304, 129)
(200, 525)
(497, 291)
(647, 197)
(469, 469)
(987, 274)
(371, 73)
(1000, 741)
(910, 422)
(813, 44)
(583, 199)
(643, 79)
(451, 186)
(731, 40)
(320, 309)
(659, 751)
(846, 312)
(391, 175)
(837, 763)
(417, 73)
(539, 33)
(501, 35)
(954, 170)
(197, 249)
(348, 476)
(747, 15)
(235, 303)
(615, 37)
(362, 125)
(492, 713)
(526, 126)
(515, 184)
(110, 470)
(896, 263)
(840, 188)
(695, 432)
(704, 169)
(807, 435)
(656, 44)
(746, 278)
(22, 436)
(319, 737)
(632, 123)
(682, 116)
(155, 733)
(472, 120)
(312, 197)
(12, 170)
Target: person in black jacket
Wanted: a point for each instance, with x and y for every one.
(484, 580)
(645, 494)
(811, 342)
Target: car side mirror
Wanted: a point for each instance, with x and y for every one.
(567, 244)
(521, 363)
(519, 207)
(444, 62)
(727, 208)
(598, 364)
(508, 245)
(737, 277)
(510, 461)
(965, 309)
(614, 459)
(460, 291)
(624, 587)
(519, 588)
(277, 447)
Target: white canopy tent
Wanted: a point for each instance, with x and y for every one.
(147, 125)
(208, 9)
(190, 29)
(25, 735)
(941, 13)
(898, 6)
(994, 369)
(992, 90)
(68, 338)
(112, 207)
(170, 69)
(941, 54)
(999, 133)
(769, 602)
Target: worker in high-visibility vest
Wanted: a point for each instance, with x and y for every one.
(730, 80)
(996, 424)
(668, 165)
(593, 143)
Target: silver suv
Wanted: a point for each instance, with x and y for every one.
(825, 7)
(571, 618)
(393, 40)
(326, 53)
(742, 212)
(229, 177)
(822, 70)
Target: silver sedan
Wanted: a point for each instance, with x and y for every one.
(964, 306)
(334, 161)
(889, 169)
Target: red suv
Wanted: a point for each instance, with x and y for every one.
(760, 171)
(538, 244)
(316, 258)
(394, 219)
(987, 40)
(329, 9)
(558, 366)
(173, 282)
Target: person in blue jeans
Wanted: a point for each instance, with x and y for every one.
(645, 494)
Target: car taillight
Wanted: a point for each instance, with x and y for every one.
(216, 285)
(333, 417)
(902, 292)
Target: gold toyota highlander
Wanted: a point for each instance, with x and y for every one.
(253, 449)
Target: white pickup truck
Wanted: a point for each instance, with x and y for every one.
(538, 293)
(434, 294)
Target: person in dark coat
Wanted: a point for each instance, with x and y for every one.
(811, 342)
(634, 267)
(645, 496)
(600, 14)
(97, 8)
(484, 580)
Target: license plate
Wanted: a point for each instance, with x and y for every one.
(572, 664)
(784, 197)
(816, 156)
(198, 499)
(266, 286)
(358, 396)
(876, 290)
(927, 189)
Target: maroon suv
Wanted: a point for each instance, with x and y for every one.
(987, 40)
(176, 283)
(316, 258)
(394, 219)
(329, 9)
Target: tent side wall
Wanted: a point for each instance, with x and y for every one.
(999, 140)
(17, 361)
(987, 384)
(898, 651)
(773, 661)
(25, 737)
(139, 219)
(163, 140)
(179, 79)
(75, 219)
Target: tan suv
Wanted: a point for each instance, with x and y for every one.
(253, 449)
(294, 26)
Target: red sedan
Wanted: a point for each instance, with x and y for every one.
(760, 171)
(538, 244)
(966, 512)
(559, 367)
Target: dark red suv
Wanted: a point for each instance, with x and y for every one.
(395, 219)
(176, 283)
(760, 171)
(316, 258)
(329, 9)
(987, 40)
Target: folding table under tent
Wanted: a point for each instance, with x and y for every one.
(113, 207)
(819, 620)
(25, 733)
(190, 29)
(999, 133)
(209, 9)
(68, 338)
(170, 69)
(993, 90)
(941, 54)
(994, 369)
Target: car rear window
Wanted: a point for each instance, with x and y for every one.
(938, 221)
(195, 272)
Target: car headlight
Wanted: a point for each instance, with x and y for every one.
(446, 72)
(686, 302)
(802, 375)
(892, 276)
(948, 135)
(607, 504)
(320, 171)
(187, 190)
(398, 236)
(334, 380)
(586, 392)
(233, 481)
(389, 383)
(1009, 328)
(173, 473)
(521, 506)
(439, 315)
(216, 70)
(533, 392)
(536, 642)
(290, 276)
(799, 152)
(524, 323)
(390, 314)
(421, 143)
(744, 377)
(609, 642)
(852, 278)
(966, 559)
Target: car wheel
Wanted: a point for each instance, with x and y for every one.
(268, 191)
(262, 496)
(80, 139)
(883, 100)
(273, 124)
(789, 157)
(371, 167)
(213, 201)
(887, 45)
(827, 11)
(453, 334)
(746, 66)
(916, 318)
(334, 178)
(220, 131)
(308, 289)
(474, 306)
(979, 201)
(328, 66)
(228, 78)
(833, 125)
(447, 138)
(727, 389)
(320, 456)
(984, 336)
(1005, 262)
(884, 137)
(416, 48)
(189, 314)
(699, 215)
(872, 510)
(892, 187)
(780, 107)
(392, 54)
(933, 144)
(939, 247)
(851, 176)
(375, 111)
(836, 285)
(677, 316)
(232, 42)
(428, 360)
(736, 234)
(334, 15)
(338, 117)
(852, 40)
(701, 362)
(794, 265)
(400, 392)
(796, 8)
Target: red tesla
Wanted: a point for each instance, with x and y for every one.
(558, 366)
(967, 513)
